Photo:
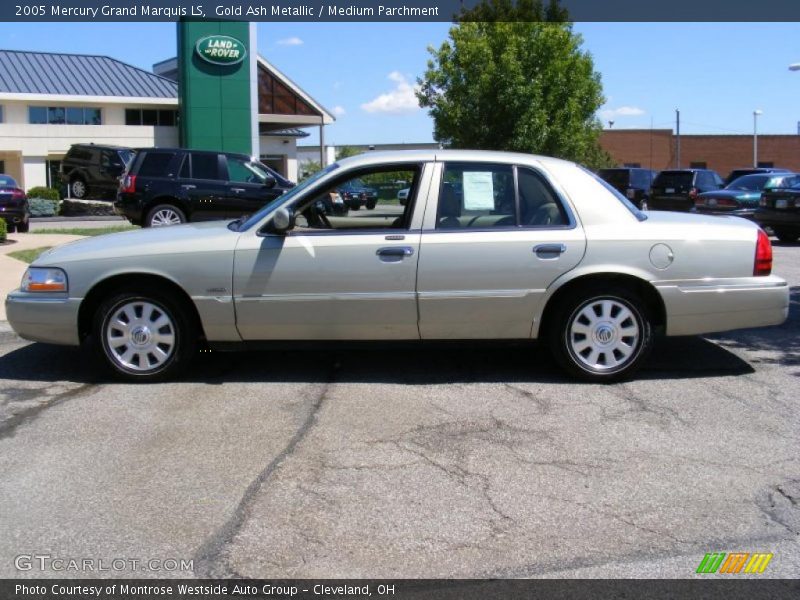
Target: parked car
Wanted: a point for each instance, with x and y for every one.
(356, 194)
(402, 196)
(678, 189)
(90, 170)
(736, 173)
(740, 197)
(524, 247)
(633, 183)
(332, 204)
(779, 209)
(14, 209)
(170, 186)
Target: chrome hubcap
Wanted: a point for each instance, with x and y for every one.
(603, 334)
(78, 189)
(140, 336)
(165, 216)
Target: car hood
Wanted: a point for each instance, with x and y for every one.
(195, 238)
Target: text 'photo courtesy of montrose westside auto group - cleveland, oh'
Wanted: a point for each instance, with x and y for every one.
(424, 299)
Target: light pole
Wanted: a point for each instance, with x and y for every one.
(756, 113)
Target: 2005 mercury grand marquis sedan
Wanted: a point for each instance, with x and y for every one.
(488, 246)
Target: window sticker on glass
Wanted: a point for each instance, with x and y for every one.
(478, 190)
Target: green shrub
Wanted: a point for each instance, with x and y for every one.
(3, 230)
(41, 207)
(47, 193)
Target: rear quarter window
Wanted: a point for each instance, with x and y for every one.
(155, 164)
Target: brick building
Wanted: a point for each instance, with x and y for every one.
(656, 149)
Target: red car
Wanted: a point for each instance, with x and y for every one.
(14, 207)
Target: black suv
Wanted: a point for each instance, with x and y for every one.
(93, 170)
(678, 189)
(169, 186)
(356, 194)
(633, 183)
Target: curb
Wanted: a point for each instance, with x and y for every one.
(74, 219)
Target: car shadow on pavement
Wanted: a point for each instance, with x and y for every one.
(672, 358)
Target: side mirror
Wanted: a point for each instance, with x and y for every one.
(282, 220)
(269, 182)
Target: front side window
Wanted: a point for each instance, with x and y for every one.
(481, 196)
(364, 202)
(245, 171)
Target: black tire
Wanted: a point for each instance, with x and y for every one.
(23, 226)
(356, 207)
(176, 338)
(611, 339)
(159, 216)
(10, 227)
(371, 205)
(787, 234)
(78, 188)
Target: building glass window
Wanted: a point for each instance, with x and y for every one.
(150, 116)
(133, 116)
(37, 115)
(60, 115)
(166, 118)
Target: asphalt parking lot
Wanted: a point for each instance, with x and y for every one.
(408, 463)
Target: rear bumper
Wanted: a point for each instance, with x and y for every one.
(49, 320)
(13, 215)
(769, 217)
(745, 213)
(128, 207)
(674, 204)
(698, 306)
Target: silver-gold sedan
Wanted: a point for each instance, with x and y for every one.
(489, 245)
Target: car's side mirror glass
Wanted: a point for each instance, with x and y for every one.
(282, 220)
(269, 182)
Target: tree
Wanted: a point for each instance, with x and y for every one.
(347, 152)
(308, 168)
(512, 76)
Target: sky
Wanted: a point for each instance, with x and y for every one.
(717, 74)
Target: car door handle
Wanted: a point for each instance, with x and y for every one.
(188, 186)
(238, 190)
(549, 250)
(395, 251)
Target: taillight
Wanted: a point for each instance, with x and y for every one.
(763, 200)
(128, 184)
(763, 262)
(18, 195)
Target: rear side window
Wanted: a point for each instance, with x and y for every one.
(205, 166)
(155, 164)
(616, 177)
(484, 196)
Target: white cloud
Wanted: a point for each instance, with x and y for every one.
(290, 41)
(622, 111)
(338, 110)
(401, 99)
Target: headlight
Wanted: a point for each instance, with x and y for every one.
(38, 279)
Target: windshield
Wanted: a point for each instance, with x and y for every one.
(674, 179)
(256, 217)
(625, 202)
(7, 181)
(616, 177)
(749, 183)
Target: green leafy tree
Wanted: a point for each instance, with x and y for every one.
(308, 168)
(513, 76)
(347, 152)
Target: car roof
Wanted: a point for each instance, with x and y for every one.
(196, 151)
(101, 146)
(374, 157)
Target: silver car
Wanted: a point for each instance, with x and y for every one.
(489, 246)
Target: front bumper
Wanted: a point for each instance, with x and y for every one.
(700, 306)
(48, 319)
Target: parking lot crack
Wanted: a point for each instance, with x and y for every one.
(8, 426)
(209, 559)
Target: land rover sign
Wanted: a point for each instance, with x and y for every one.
(221, 49)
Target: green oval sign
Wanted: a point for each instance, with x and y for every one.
(221, 49)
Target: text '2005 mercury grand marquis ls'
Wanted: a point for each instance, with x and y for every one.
(489, 245)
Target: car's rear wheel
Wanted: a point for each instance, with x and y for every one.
(10, 227)
(164, 215)
(786, 234)
(78, 188)
(602, 334)
(371, 205)
(23, 226)
(144, 336)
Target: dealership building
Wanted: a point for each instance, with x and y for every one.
(199, 99)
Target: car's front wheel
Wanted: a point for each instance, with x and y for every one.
(78, 188)
(23, 226)
(602, 335)
(144, 336)
(164, 215)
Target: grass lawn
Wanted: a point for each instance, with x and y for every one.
(89, 231)
(28, 256)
